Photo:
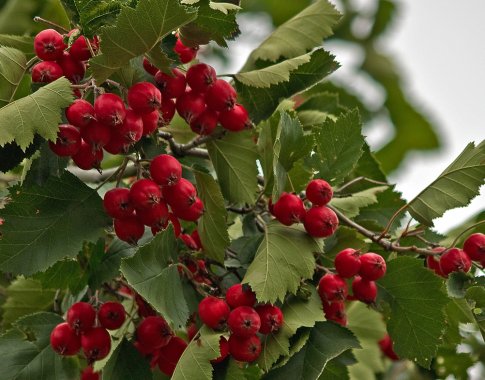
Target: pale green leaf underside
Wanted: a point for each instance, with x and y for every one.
(455, 187)
(23, 43)
(37, 113)
(13, 65)
(352, 204)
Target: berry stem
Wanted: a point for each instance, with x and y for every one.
(51, 23)
(357, 180)
(389, 224)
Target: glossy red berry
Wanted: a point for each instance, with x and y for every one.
(235, 119)
(319, 192)
(320, 221)
(110, 109)
(49, 45)
(171, 86)
(205, 123)
(144, 97)
(154, 332)
(365, 291)
(196, 237)
(46, 72)
(332, 287)
(177, 228)
(80, 113)
(64, 340)
(244, 321)
(190, 214)
(221, 96)
(223, 349)
(169, 355)
(474, 247)
(144, 308)
(347, 262)
(131, 130)
(455, 260)
(79, 50)
(372, 266)
(129, 229)
(289, 209)
(89, 374)
(96, 344)
(149, 68)
(180, 195)
(433, 263)
(386, 346)
(87, 157)
(68, 141)
(81, 317)
(200, 77)
(145, 193)
(111, 315)
(117, 203)
(185, 53)
(97, 135)
(167, 111)
(190, 105)
(335, 311)
(245, 349)
(189, 242)
(73, 70)
(150, 122)
(165, 170)
(214, 312)
(271, 318)
(157, 215)
(240, 295)
(117, 144)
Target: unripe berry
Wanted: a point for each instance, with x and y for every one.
(244, 321)
(335, 311)
(111, 315)
(319, 192)
(149, 68)
(185, 53)
(235, 119)
(221, 96)
(117, 203)
(96, 344)
(190, 214)
(73, 70)
(97, 135)
(365, 291)
(110, 109)
(245, 349)
(88, 158)
(320, 221)
(171, 86)
(347, 262)
(68, 141)
(474, 247)
(157, 215)
(154, 332)
(205, 123)
(240, 295)
(332, 288)
(169, 355)
(150, 122)
(144, 97)
(80, 113)
(180, 195)
(190, 105)
(386, 346)
(168, 110)
(213, 312)
(49, 45)
(372, 266)
(165, 170)
(223, 349)
(64, 340)
(144, 194)
(455, 260)
(271, 318)
(200, 77)
(89, 374)
(46, 72)
(81, 317)
(289, 209)
(129, 229)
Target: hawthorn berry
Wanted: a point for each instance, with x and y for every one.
(433, 263)
(335, 311)
(131, 130)
(454, 260)
(240, 295)
(150, 122)
(96, 343)
(88, 158)
(144, 97)
(49, 45)
(244, 321)
(364, 290)
(347, 262)
(46, 72)
(320, 221)
(474, 247)
(271, 318)
(190, 105)
(319, 192)
(235, 119)
(214, 312)
(154, 332)
(332, 287)
(386, 346)
(169, 355)
(81, 317)
(221, 96)
(144, 194)
(111, 315)
(171, 86)
(68, 141)
(289, 209)
(181, 195)
(205, 123)
(245, 349)
(97, 135)
(110, 109)
(89, 374)
(129, 229)
(117, 144)
(79, 50)
(189, 242)
(191, 213)
(223, 349)
(64, 340)
(185, 53)
(165, 170)
(196, 237)
(167, 110)
(144, 308)
(372, 266)
(157, 215)
(73, 70)
(149, 68)
(200, 77)
(80, 113)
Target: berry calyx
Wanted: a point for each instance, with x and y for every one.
(335, 311)
(200, 77)
(190, 105)
(80, 113)
(165, 170)
(240, 295)
(81, 317)
(332, 287)
(244, 321)
(144, 97)
(271, 318)
(154, 332)
(214, 312)
(129, 229)
(144, 194)
(235, 119)
(364, 290)
(289, 209)
(110, 109)
(319, 192)
(49, 45)
(320, 221)
(347, 262)
(46, 72)
(223, 349)
(454, 260)
(111, 315)
(372, 266)
(221, 96)
(190, 214)
(68, 141)
(131, 130)
(245, 349)
(169, 355)
(96, 344)
(171, 86)
(64, 340)
(474, 247)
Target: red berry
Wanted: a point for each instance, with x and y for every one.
(68, 141)
(223, 349)
(289, 209)
(347, 262)
(245, 349)
(49, 45)
(117, 203)
(191, 331)
(213, 312)
(169, 355)
(335, 311)
(474, 247)
(185, 53)
(177, 228)
(165, 170)
(73, 70)
(131, 130)
(387, 348)
(144, 308)
(168, 110)
(81, 317)
(87, 157)
(363, 290)
(150, 122)
(205, 123)
(46, 72)
(110, 109)
(117, 144)
(89, 374)
(96, 344)
(171, 86)
(80, 113)
(129, 229)
(200, 77)
(189, 242)
(157, 215)
(144, 97)
(271, 318)
(235, 119)
(97, 135)
(332, 287)
(144, 194)
(372, 266)
(154, 332)
(320, 221)
(64, 340)
(221, 96)
(149, 68)
(455, 260)
(181, 195)
(433, 262)
(111, 315)
(319, 192)
(195, 236)
(244, 321)
(240, 295)
(190, 105)
(79, 50)
(190, 214)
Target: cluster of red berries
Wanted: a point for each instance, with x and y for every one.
(319, 220)
(458, 260)
(147, 202)
(244, 322)
(58, 60)
(81, 331)
(209, 100)
(333, 289)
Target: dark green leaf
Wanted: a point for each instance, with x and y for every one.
(63, 275)
(12, 155)
(127, 362)
(44, 165)
(457, 283)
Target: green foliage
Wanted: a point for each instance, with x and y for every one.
(352, 204)
(23, 43)
(127, 360)
(37, 113)
(43, 165)
(13, 65)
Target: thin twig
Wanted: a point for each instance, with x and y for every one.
(465, 230)
(359, 179)
(51, 23)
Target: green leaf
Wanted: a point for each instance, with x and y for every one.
(236, 372)
(47, 223)
(297, 313)
(153, 275)
(327, 341)
(383, 18)
(283, 259)
(298, 35)
(234, 159)
(26, 352)
(476, 295)
(457, 283)
(351, 205)
(63, 275)
(13, 65)
(25, 296)
(136, 32)
(11, 154)
(126, 361)
(44, 165)
(455, 187)
(261, 102)
(37, 113)
(338, 147)
(457, 311)
(212, 225)
(417, 319)
(194, 364)
(23, 43)
(343, 238)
